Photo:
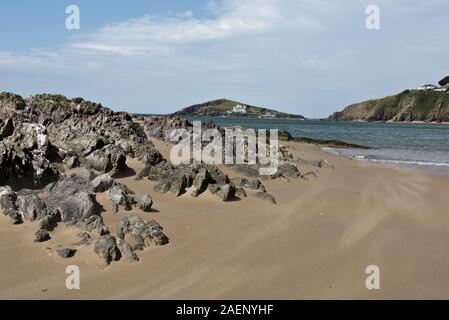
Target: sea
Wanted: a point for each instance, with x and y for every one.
(414, 145)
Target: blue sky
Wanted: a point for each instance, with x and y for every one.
(309, 57)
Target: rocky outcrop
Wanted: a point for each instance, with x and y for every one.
(142, 233)
(407, 106)
(43, 134)
(106, 249)
(121, 196)
(26, 157)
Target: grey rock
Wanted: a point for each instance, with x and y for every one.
(163, 186)
(226, 192)
(108, 158)
(127, 251)
(50, 221)
(102, 183)
(106, 248)
(42, 236)
(8, 200)
(143, 233)
(178, 185)
(143, 202)
(120, 195)
(201, 182)
(31, 207)
(81, 205)
(93, 224)
(66, 252)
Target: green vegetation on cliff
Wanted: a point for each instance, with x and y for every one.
(409, 105)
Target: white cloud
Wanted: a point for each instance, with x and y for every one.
(279, 53)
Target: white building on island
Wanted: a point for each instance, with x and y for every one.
(239, 109)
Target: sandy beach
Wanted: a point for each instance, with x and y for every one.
(315, 243)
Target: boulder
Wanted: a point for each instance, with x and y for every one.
(42, 236)
(127, 251)
(50, 221)
(8, 200)
(106, 249)
(108, 158)
(81, 205)
(120, 195)
(226, 192)
(66, 252)
(163, 186)
(178, 185)
(253, 184)
(201, 182)
(102, 183)
(143, 202)
(31, 207)
(93, 224)
(143, 233)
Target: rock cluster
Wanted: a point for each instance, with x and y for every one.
(43, 134)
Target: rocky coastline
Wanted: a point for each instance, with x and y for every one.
(58, 154)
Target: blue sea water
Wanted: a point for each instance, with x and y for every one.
(418, 146)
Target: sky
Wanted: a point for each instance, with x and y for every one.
(310, 57)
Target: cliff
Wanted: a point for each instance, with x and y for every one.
(409, 105)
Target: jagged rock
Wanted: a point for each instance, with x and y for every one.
(8, 200)
(42, 236)
(143, 202)
(50, 221)
(201, 182)
(93, 224)
(72, 162)
(127, 251)
(253, 184)
(108, 158)
(120, 195)
(85, 239)
(265, 196)
(26, 157)
(214, 188)
(71, 185)
(218, 176)
(143, 233)
(102, 183)
(163, 186)
(81, 205)
(178, 185)
(31, 207)
(288, 170)
(226, 192)
(156, 172)
(66, 252)
(106, 248)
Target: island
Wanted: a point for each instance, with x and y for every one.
(225, 107)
